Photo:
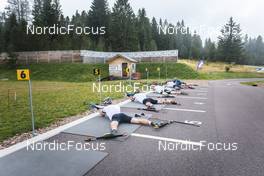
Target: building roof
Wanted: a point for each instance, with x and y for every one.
(120, 55)
(134, 55)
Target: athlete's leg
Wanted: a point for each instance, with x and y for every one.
(168, 101)
(140, 121)
(149, 105)
(162, 100)
(114, 125)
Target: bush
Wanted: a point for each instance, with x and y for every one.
(227, 68)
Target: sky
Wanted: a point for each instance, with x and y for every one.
(207, 17)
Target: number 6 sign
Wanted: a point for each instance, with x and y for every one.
(23, 75)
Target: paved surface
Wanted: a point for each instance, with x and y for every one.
(233, 113)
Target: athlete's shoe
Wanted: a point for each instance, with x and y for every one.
(154, 124)
(114, 132)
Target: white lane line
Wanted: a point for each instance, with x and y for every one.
(187, 97)
(201, 94)
(198, 103)
(205, 89)
(49, 134)
(188, 110)
(202, 91)
(166, 139)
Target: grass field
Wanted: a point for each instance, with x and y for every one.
(84, 72)
(216, 70)
(209, 67)
(230, 75)
(256, 83)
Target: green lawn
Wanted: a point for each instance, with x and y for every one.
(256, 83)
(229, 75)
(84, 72)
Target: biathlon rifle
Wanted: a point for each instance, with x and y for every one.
(162, 123)
(105, 137)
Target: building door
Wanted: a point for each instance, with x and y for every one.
(124, 66)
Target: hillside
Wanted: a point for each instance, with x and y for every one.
(84, 72)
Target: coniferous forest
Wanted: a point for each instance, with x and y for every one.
(124, 30)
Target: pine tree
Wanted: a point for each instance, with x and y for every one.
(162, 45)
(209, 50)
(230, 46)
(206, 48)
(1, 38)
(79, 41)
(20, 8)
(123, 30)
(255, 51)
(2, 43)
(47, 14)
(144, 31)
(153, 45)
(23, 44)
(10, 35)
(99, 13)
(155, 34)
(179, 41)
(187, 44)
(56, 8)
(36, 12)
(37, 42)
(170, 37)
(50, 12)
(197, 46)
(99, 16)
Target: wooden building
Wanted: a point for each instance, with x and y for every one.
(91, 57)
(121, 66)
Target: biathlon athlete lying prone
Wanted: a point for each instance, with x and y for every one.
(163, 90)
(150, 102)
(177, 84)
(113, 112)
